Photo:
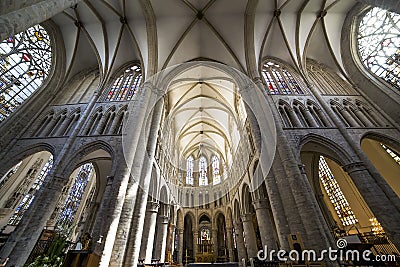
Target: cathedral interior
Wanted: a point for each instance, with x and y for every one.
(180, 132)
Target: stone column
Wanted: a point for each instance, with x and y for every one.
(379, 203)
(170, 242)
(21, 17)
(267, 230)
(364, 119)
(146, 248)
(23, 239)
(180, 246)
(345, 113)
(229, 243)
(161, 242)
(195, 242)
(242, 254)
(249, 235)
(64, 125)
(310, 118)
(215, 241)
(294, 119)
(142, 166)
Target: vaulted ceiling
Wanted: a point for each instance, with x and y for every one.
(238, 33)
(162, 33)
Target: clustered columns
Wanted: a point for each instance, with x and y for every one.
(162, 234)
(265, 223)
(250, 234)
(146, 248)
(180, 245)
(229, 242)
(241, 249)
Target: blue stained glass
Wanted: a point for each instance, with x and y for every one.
(27, 200)
(76, 192)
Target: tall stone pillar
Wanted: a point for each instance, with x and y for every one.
(146, 248)
(162, 233)
(23, 239)
(229, 243)
(195, 242)
(170, 242)
(20, 17)
(242, 254)
(180, 246)
(267, 230)
(249, 235)
(215, 241)
(142, 166)
(379, 203)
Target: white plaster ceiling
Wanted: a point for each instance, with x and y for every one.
(189, 29)
(163, 33)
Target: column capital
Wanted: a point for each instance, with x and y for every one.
(164, 219)
(246, 217)
(354, 167)
(260, 204)
(152, 206)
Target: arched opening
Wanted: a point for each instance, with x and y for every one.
(188, 245)
(384, 154)
(19, 187)
(344, 208)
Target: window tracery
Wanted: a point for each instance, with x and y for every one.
(126, 85)
(335, 194)
(379, 44)
(189, 170)
(25, 62)
(279, 80)
(203, 179)
(216, 172)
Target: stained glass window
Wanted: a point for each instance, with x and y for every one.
(379, 44)
(25, 62)
(335, 194)
(126, 85)
(74, 198)
(189, 170)
(203, 180)
(205, 234)
(279, 80)
(215, 167)
(13, 170)
(393, 154)
(28, 198)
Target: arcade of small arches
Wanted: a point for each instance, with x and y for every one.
(181, 190)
